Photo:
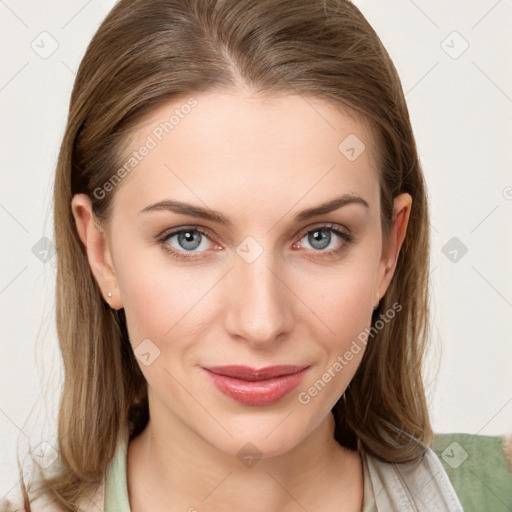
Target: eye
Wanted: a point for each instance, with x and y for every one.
(186, 240)
(321, 237)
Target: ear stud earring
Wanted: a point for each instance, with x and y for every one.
(110, 294)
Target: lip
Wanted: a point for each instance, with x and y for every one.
(263, 386)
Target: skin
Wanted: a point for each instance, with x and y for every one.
(258, 161)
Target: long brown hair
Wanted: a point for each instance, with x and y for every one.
(145, 54)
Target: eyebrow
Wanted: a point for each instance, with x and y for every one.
(214, 216)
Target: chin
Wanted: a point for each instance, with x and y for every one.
(262, 439)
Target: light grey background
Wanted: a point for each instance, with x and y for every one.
(460, 101)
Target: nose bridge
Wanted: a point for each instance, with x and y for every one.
(260, 302)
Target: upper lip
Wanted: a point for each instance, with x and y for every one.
(252, 374)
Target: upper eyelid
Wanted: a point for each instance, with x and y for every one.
(325, 225)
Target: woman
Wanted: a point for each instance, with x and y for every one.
(242, 237)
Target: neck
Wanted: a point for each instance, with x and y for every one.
(184, 472)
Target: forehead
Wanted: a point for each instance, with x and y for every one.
(244, 148)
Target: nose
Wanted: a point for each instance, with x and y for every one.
(260, 302)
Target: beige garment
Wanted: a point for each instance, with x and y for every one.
(423, 486)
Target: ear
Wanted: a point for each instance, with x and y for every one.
(94, 239)
(401, 212)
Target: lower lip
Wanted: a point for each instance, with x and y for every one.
(262, 392)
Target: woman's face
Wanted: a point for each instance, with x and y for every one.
(269, 285)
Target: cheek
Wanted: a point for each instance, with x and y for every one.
(342, 298)
(155, 298)
(166, 303)
(345, 307)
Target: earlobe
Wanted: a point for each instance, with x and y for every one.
(96, 245)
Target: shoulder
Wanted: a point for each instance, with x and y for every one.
(479, 468)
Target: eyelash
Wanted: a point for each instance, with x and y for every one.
(163, 237)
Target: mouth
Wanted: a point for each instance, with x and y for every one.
(251, 386)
